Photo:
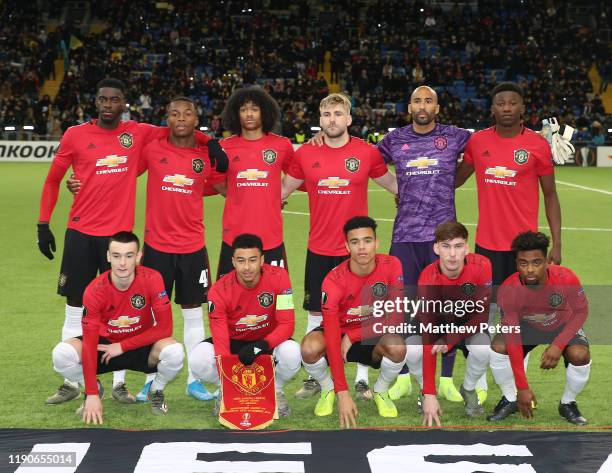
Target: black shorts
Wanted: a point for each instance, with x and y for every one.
(531, 337)
(274, 256)
(317, 267)
(190, 272)
(361, 352)
(83, 258)
(133, 360)
(503, 264)
(236, 345)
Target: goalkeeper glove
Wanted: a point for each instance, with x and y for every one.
(46, 240)
(218, 158)
(248, 353)
(559, 139)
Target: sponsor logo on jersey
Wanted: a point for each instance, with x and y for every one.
(500, 172)
(111, 161)
(379, 289)
(251, 320)
(265, 299)
(269, 156)
(351, 164)
(555, 300)
(441, 142)
(126, 140)
(467, 288)
(521, 156)
(137, 301)
(197, 165)
(422, 162)
(124, 321)
(359, 313)
(333, 185)
(252, 176)
(542, 319)
(179, 180)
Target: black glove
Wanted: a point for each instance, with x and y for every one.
(248, 353)
(46, 240)
(217, 156)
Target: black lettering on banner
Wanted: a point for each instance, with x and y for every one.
(2, 150)
(26, 151)
(12, 151)
(43, 151)
(52, 151)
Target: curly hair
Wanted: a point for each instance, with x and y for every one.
(270, 111)
(528, 241)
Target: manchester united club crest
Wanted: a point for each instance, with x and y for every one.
(269, 156)
(62, 280)
(197, 165)
(126, 140)
(521, 156)
(249, 379)
(265, 299)
(379, 289)
(137, 301)
(441, 142)
(351, 164)
(468, 289)
(555, 300)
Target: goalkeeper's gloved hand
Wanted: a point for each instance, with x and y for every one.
(559, 138)
(248, 353)
(218, 158)
(46, 240)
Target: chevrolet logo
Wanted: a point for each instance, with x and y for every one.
(251, 320)
(361, 310)
(124, 321)
(179, 180)
(500, 171)
(422, 162)
(252, 174)
(539, 318)
(333, 182)
(111, 161)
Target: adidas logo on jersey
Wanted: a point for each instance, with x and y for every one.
(486, 154)
(163, 161)
(316, 165)
(91, 146)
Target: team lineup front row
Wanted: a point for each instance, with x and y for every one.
(127, 324)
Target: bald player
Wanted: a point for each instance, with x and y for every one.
(425, 155)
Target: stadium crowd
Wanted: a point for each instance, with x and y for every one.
(378, 51)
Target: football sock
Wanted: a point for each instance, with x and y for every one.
(476, 365)
(502, 373)
(72, 322)
(202, 362)
(414, 356)
(66, 363)
(362, 373)
(193, 332)
(576, 378)
(170, 363)
(314, 320)
(118, 377)
(388, 372)
(319, 371)
(289, 362)
(150, 378)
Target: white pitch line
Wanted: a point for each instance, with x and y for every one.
(578, 186)
(578, 229)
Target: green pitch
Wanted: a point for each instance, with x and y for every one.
(32, 314)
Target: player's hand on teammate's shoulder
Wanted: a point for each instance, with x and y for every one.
(554, 257)
(73, 184)
(45, 240)
(526, 402)
(317, 139)
(431, 411)
(347, 410)
(92, 411)
(550, 357)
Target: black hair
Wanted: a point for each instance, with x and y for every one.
(247, 240)
(112, 83)
(528, 241)
(124, 237)
(270, 111)
(507, 87)
(361, 221)
(180, 98)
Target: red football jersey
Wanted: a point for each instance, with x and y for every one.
(473, 283)
(336, 180)
(106, 163)
(507, 173)
(253, 200)
(175, 186)
(560, 305)
(264, 312)
(136, 317)
(347, 306)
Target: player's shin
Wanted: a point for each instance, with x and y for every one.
(193, 333)
(72, 322)
(170, 364)
(388, 372)
(502, 373)
(414, 356)
(476, 365)
(576, 378)
(318, 370)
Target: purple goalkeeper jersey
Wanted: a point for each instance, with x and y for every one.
(425, 165)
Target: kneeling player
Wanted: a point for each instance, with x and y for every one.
(541, 303)
(251, 313)
(460, 277)
(127, 324)
(348, 333)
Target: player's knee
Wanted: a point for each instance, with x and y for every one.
(172, 356)
(288, 353)
(480, 353)
(64, 355)
(498, 345)
(311, 350)
(202, 361)
(578, 355)
(394, 348)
